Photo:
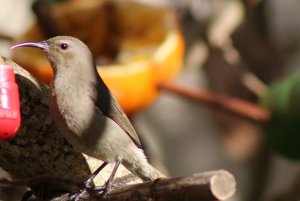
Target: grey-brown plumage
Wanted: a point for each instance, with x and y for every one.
(85, 111)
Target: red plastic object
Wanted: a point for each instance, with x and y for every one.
(9, 103)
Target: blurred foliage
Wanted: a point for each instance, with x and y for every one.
(283, 130)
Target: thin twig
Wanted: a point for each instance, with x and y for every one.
(234, 106)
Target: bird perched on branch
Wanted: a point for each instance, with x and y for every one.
(85, 111)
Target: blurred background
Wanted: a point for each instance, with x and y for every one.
(243, 50)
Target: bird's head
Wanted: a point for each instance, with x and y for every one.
(62, 52)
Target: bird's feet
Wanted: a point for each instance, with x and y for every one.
(87, 187)
(103, 190)
(99, 191)
(77, 195)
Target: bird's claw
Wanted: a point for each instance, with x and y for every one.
(75, 196)
(99, 191)
(103, 190)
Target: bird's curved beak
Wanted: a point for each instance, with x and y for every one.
(42, 45)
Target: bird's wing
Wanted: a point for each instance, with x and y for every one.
(118, 116)
(110, 108)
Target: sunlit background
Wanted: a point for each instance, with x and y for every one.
(236, 48)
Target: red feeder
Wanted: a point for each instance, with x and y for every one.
(10, 118)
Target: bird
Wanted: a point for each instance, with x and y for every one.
(85, 111)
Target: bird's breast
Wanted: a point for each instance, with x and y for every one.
(73, 111)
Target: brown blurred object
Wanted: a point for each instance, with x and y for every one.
(252, 41)
(87, 20)
(92, 25)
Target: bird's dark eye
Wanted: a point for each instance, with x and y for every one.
(64, 46)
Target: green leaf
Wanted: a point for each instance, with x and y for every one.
(283, 130)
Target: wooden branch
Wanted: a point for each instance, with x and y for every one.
(233, 106)
(207, 186)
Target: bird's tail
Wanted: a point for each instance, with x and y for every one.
(144, 170)
(149, 173)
